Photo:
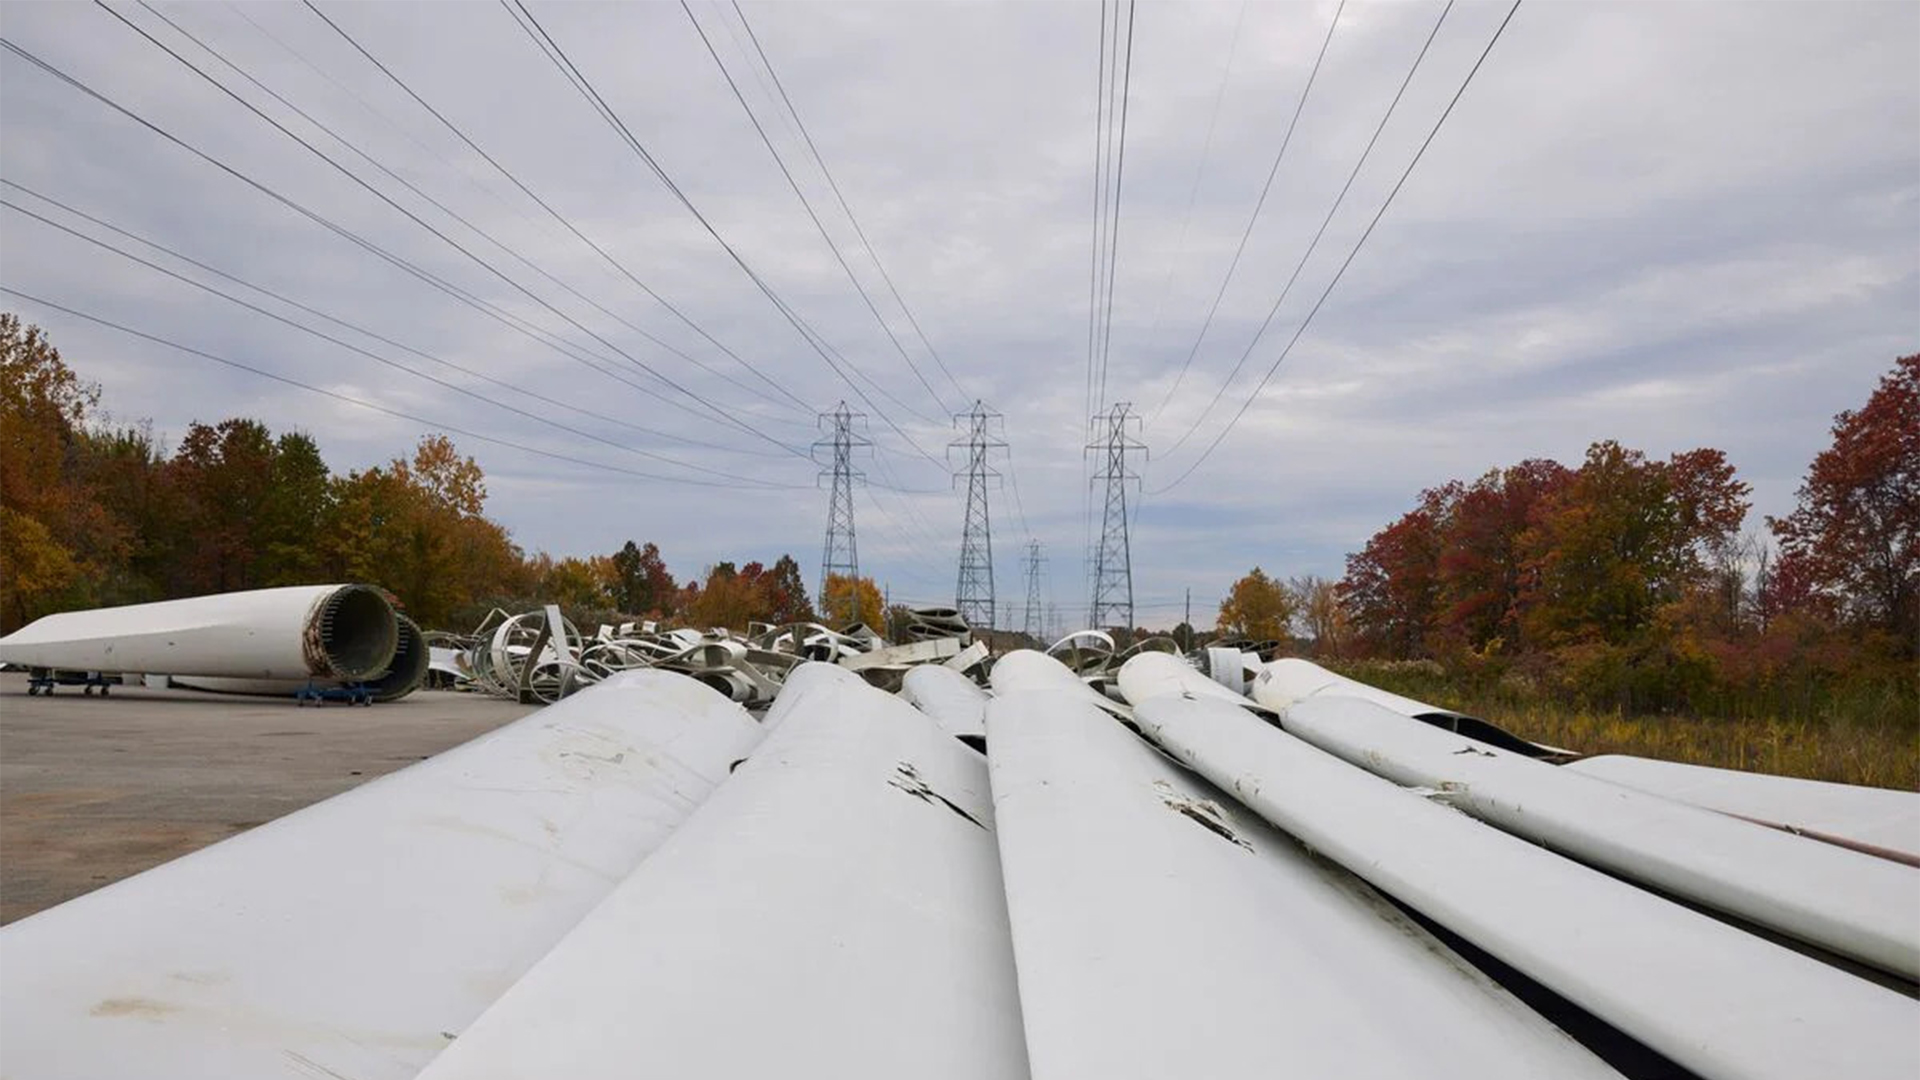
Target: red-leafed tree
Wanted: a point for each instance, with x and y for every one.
(787, 593)
(642, 584)
(1482, 564)
(1392, 585)
(1853, 543)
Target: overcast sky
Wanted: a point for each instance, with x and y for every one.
(1675, 225)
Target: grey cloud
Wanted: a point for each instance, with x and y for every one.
(1677, 225)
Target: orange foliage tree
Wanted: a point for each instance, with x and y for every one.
(846, 600)
(1257, 607)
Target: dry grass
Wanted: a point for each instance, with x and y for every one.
(1877, 755)
(1858, 733)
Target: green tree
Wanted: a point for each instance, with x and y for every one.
(292, 513)
(125, 470)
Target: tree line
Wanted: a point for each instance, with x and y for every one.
(1631, 581)
(94, 514)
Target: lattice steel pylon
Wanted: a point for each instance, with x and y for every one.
(974, 594)
(1112, 600)
(1031, 625)
(841, 554)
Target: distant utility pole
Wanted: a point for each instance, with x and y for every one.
(974, 594)
(1112, 601)
(1187, 621)
(841, 554)
(1031, 626)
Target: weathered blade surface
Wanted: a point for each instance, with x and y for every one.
(834, 910)
(1160, 930)
(356, 937)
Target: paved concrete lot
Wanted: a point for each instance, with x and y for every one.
(94, 789)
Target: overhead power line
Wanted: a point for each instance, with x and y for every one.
(719, 413)
(1111, 98)
(349, 235)
(396, 365)
(562, 219)
(840, 366)
(240, 9)
(1338, 274)
(872, 252)
(1193, 196)
(1314, 244)
(1246, 234)
(807, 204)
(363, 403)
(149, 242)
(443, 208)
(1113, 204)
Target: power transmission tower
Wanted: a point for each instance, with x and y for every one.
(974, 596)
(1032, 626)
(1112, 601)
(841, 554)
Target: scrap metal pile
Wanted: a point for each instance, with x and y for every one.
(313, 640)
(1104, 863)
(541, 656)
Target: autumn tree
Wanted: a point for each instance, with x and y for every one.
(124, 467)
(730, 597)
(1623, 537)
(416, 526)
(845, 601)
(1391, 587)
(575, 583)
(1483, 559)
(1257, 607)
(787, 593)
(1853, 542)
(43, 507)
(1320, 615)
(222, 477)
(642, 585)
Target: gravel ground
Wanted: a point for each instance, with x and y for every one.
(94, 789)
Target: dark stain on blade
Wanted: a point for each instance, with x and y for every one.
(908, 779)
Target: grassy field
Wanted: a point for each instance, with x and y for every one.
(1883, 751)
(1879, 756)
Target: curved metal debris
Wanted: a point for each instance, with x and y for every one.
(540, 656)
